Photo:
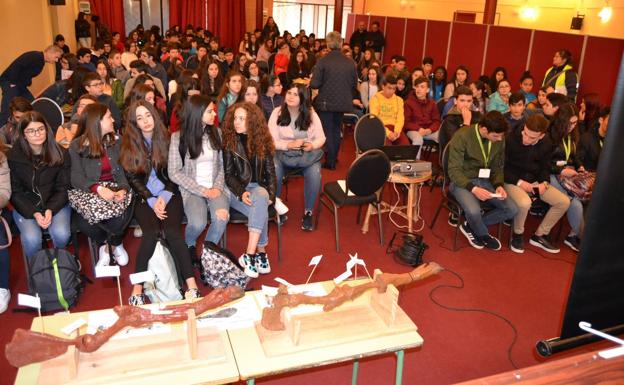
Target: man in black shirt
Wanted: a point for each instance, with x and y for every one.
(358, 37)
(17, 77)
(527, 172)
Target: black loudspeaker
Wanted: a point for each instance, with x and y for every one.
(57, 2)
(577, 23)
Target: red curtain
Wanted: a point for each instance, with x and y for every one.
(111, 14)
(183, 12)
(226, 19)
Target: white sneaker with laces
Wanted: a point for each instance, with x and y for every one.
(5, 298)
(121, 255)
(280, 207)
(104, 257)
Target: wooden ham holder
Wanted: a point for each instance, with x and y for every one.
(184, 352)
(370, 315)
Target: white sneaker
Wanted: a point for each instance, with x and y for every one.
(104, 258)
(5, 298)
(280, 207)
(121, 255)
(137, 232)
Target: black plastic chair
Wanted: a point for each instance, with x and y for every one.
(369, 134)
(365, 179)
(50, 111)
(449, 202)
(427, 148)
(237, 217)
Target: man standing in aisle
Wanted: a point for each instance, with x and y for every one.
(475, 167)
(335, 76)
(17, 77)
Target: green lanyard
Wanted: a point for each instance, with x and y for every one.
(486, 158)
(567, 148)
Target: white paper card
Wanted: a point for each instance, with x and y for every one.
(315, 260)
(107, 271)
(343, 185)
(66, 74)
(283, 282)
(484, 173)
(28, 300)
(496, 195)
(342, 277)
(269, 290)
(161, 312)
(561, 163)
(69, 329)
(246, 315)
(145, 276)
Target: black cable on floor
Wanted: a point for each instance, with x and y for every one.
(475, 310)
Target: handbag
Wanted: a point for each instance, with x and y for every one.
(7, 230)
(96, 209)
(219, 268)
(299, 158)
(579, 186)
(165, 286)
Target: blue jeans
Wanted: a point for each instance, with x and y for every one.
(575, 211)
(311, 182)
(31, 233)
(332, 122)
(257, 214)
(196, 210)
(501, 211)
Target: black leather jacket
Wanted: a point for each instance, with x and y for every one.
(238, 172)
(138, 182)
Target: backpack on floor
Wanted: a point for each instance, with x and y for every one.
(220, 268)
(54, 274)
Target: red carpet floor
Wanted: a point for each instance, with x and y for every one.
(468, 324)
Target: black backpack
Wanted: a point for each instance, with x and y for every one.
(54, 274)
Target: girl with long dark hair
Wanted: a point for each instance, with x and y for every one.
(211, 79)
(460, 77)
(298, 137)
(250, 178)
(95, 170)
(196, 165)
(565, 137)
(39, 182)
(144, 156)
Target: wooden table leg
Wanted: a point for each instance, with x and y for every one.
(369, 211)
(410, 206)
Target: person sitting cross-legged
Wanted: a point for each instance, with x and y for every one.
(475, 167)
(527, 176)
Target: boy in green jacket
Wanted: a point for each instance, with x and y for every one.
(476, 156)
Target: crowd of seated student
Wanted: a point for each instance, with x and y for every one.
(220, 105)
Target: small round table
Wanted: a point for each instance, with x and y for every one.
(407, 212)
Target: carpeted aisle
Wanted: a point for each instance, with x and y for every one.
(468, 331)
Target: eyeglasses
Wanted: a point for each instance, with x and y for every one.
(96, 84)
(35, 131)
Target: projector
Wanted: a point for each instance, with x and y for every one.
(412, 167)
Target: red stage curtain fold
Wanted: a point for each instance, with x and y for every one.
(183, 12)
(111, 14)
(226, 19)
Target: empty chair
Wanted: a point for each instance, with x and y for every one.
(364, 182)
(50, 111)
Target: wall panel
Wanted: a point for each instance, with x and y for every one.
(467, 48)
(601, 66)
(437, 40)
(414, 42)
(350, 26)
(509, 48)
(395, 30)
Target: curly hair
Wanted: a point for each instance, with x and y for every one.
(260, 141)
